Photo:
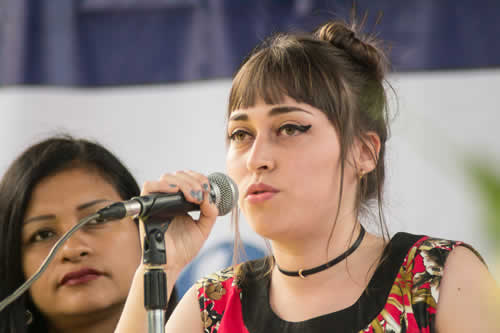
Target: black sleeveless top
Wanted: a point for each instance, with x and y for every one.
(401, 296)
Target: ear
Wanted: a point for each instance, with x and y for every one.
(365, 152)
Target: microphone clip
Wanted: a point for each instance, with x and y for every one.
(155, 277)
(154, 252)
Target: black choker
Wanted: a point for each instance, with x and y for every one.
(303, 273)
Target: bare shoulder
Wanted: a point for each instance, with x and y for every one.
(463, 263)
(186, 317)
(469, 296)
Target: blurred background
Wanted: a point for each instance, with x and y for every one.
(149, 79)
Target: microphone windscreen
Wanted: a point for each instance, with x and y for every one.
(226, 192)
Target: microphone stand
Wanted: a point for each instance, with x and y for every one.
(155, 278)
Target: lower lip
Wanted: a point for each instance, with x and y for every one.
(260, 197)
(81, 280)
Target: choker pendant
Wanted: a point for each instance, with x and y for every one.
(302, 273)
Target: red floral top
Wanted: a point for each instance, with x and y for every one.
(401, 297)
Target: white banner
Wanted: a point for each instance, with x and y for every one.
(442, 119)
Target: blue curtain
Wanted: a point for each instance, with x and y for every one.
(131, 42)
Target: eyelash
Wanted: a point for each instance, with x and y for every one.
(299, 128)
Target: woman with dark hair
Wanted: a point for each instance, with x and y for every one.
(307, 131)
(45, 192)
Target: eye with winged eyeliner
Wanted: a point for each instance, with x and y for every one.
(292, 129)
(239, 135)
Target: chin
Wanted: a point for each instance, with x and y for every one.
(87, 300)
(93, 308)
(265, 227)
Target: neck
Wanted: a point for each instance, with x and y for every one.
(355, 271)
(309, 252)
(103, 321)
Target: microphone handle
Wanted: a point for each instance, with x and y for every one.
(164, 205)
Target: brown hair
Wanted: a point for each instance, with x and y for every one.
(335, 69)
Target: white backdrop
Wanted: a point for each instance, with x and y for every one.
(442, 117)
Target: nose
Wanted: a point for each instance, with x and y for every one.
(260, 157)
(76, 248)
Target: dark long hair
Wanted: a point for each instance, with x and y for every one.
(38, 162)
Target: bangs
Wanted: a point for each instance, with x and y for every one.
(277, 69)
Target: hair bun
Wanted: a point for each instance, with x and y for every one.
(364, 49)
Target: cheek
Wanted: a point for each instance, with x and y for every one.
(125, 247)
(321, 175)
(41, 294)
(235, 166)
(32, 258)
(40, 290)
(29, 263)
(236, 170)
(127, 260)
(128, 237)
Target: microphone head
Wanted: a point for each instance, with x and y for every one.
(225, 192)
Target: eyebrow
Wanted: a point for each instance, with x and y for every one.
(52, 216)
(274, 112)
(90, 203)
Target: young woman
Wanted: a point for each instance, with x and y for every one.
(307, 130)
(44, 193)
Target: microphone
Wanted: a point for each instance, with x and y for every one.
(223, 192)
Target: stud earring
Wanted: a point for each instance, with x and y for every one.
(361, 174)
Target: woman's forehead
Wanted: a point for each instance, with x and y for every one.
(288, 107)
(261, 102)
